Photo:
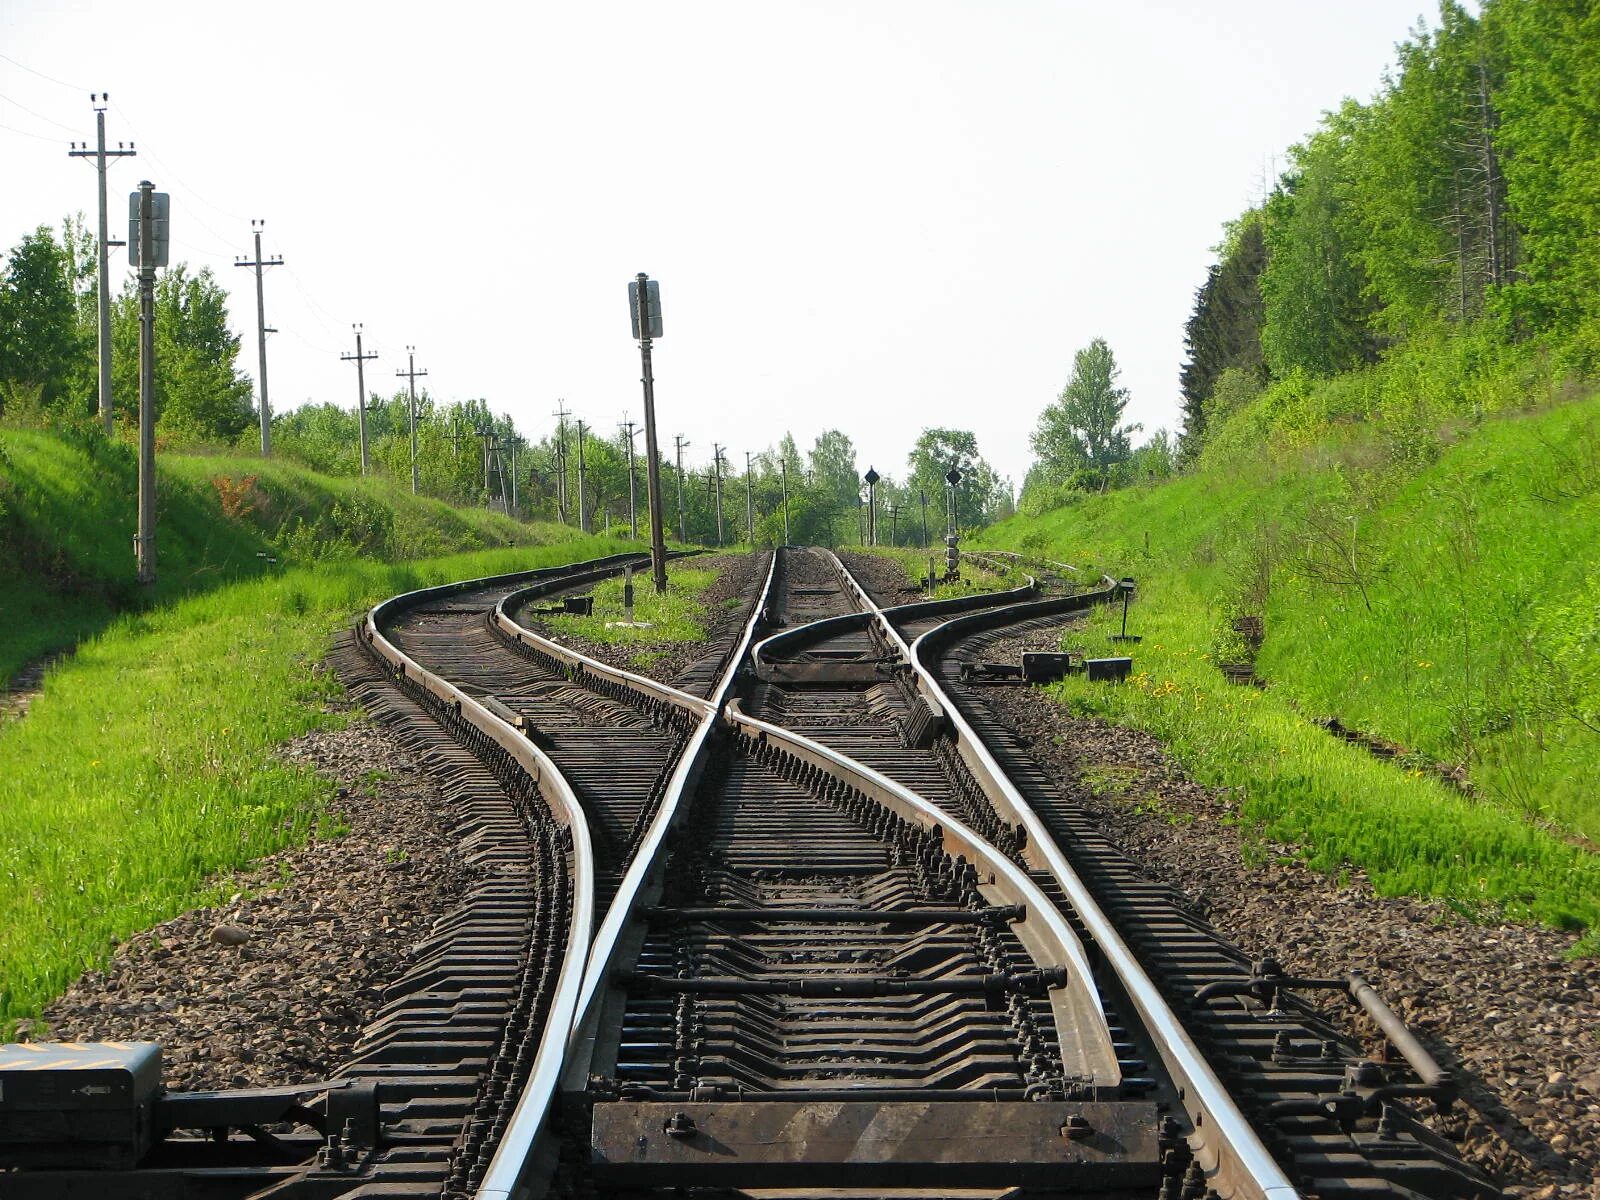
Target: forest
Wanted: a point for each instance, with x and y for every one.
(1428, 255)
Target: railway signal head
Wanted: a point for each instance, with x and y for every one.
(871, 477)
(953, 476)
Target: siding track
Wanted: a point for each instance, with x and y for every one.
(812, 925)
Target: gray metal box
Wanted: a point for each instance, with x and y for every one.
(77, 1104)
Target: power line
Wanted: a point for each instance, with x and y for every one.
(51, 78)
(43, 137)
(40, 116)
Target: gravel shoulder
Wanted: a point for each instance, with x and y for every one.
(275, 986)
(883, 578)
(1499, 1004)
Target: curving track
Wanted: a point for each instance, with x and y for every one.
(813, 924)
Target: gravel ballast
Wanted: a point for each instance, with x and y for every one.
(275, 986)
(1499, 1004)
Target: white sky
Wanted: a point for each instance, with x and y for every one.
(864, 214)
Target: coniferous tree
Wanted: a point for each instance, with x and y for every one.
(1224, 330)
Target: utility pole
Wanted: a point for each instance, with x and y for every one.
(924, 496)
(783, 465)
(749, 504)
(894, 524)
(683, 530)
(630, 429)
(104, 244)
(360, 361)
(583, 500)
(486, 432)
(144, 545)
(261, 331)
(411, 373)
(645, 301)
(561, 460)
(516, 505)
(716, 466)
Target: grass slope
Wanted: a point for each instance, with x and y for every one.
(1449, 604)
(146, 767)
(67, 518)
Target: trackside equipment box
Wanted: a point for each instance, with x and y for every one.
(77, 1104)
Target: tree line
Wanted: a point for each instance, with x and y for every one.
(1460, 202)
(466, 453)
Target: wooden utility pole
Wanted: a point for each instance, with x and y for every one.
(783, 466)
(683, 530)
(716, 466)
(561, 460)
(360, 361)
(411, 373)
(631, 430)
(144, 544)
(749, 503)
(262, 330)
(583, 506)
(103, 243)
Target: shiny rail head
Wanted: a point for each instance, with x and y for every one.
(1227, 1147)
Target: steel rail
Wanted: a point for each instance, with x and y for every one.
(506, 1172)
(1042, 929)
(1226, 1146)
(642, 870)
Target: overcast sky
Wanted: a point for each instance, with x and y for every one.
(873, 216)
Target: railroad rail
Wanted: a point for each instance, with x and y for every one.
(813, 920)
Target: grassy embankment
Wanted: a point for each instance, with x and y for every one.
(67, 523)
(145, 768)
(1433, 584)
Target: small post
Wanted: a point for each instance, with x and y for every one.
(627, 595)
(1125, 586)
(144, 546)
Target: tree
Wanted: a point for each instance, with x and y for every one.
(39, 338)
(1083, 427)
(978, 496)
(1318, 317)
(200, 394)
(1224, 331)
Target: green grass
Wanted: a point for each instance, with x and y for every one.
(975, 577)
(67, 518)
(1463, 622)
(145, 768)
(678, 616)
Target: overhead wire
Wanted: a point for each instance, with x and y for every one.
(39, 115)
(43, 137)
(50, 78)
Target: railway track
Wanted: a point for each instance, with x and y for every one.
(813, 924)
